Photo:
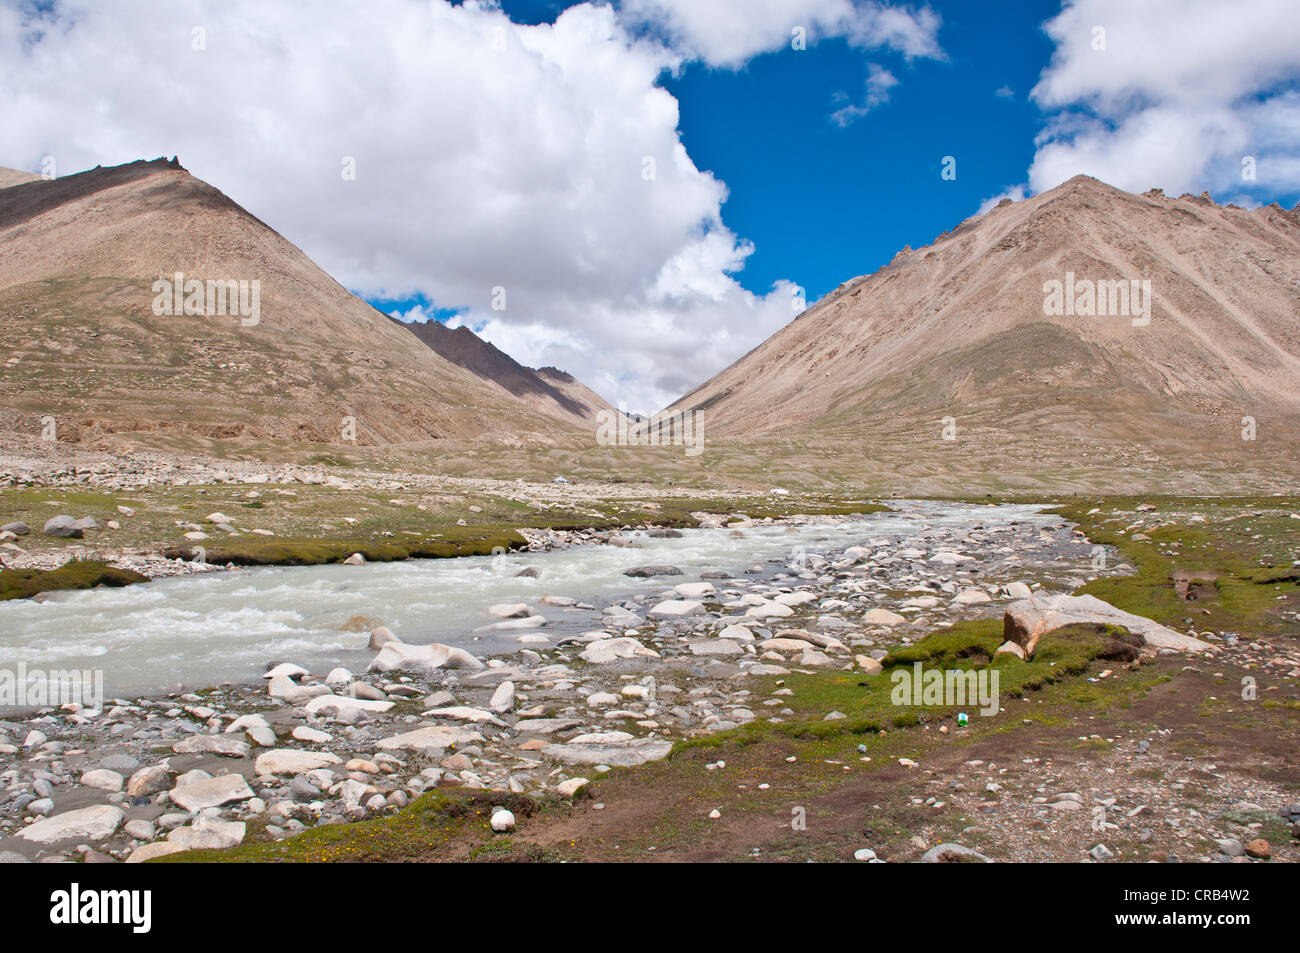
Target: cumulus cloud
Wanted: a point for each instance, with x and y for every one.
(543, 160)
(728, 33)
(1173, 94)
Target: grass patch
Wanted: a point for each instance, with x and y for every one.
(459, 541)
(419, 832)
(77, 574)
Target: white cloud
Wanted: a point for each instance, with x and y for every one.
(1015, 193)
(523, 167)
(1181, 91)
(728, 33)
(878, 84)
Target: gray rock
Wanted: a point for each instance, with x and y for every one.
(953, 854)
(623, 754)
(227, 746)
(642, 572)
(86, 824)
(197, 794)
(147, 781)
(302, 790)
(1231, 848)
(18, 528)
(139, 829)
(121, 763)
(64, 527)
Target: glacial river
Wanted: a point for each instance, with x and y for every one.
(200, 630)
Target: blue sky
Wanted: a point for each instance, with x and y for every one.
(822, 203)
(499, 148)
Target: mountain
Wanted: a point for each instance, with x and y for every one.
(575, 390)
(10, 177)
(282, 352)
(975, 327)
(548, 390)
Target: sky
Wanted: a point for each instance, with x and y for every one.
(640, 192)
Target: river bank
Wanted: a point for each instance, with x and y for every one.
(649, 687)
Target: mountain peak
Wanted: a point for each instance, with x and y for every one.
(962, 328)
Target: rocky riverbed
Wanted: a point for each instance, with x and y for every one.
(142, 777)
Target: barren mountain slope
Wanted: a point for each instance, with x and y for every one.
(81, 342)
(575, 390)
(958, 329)
(10, 177)
(466, 349)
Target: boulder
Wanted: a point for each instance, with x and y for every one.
(394, 654)
(503, 699)
(1028, 620)
(769, 610)
(345, 706)
(291, 761)
(647, 571)
(624, 754)
(196, 793)
(147, 781)
(868, 665)
(695, 590)
(463, 713)
(286, 670)
(149, 851)
(882, 617)
(607, 650)
(302, 694)
(795, 598)
(208, 833)
(64, 527)
(438, 736)
(953, 854)
(736, 633)
(85, 824)
(103, 780)
(717, 647)
(815, 638)
(676, 609)
(571, 787)
(527, 622)
(225, 745)
(381, 636)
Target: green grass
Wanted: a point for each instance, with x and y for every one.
(416, 833)
(23, 583)
(1241, 554)
(312, 552)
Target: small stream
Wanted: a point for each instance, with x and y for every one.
(196, 631)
